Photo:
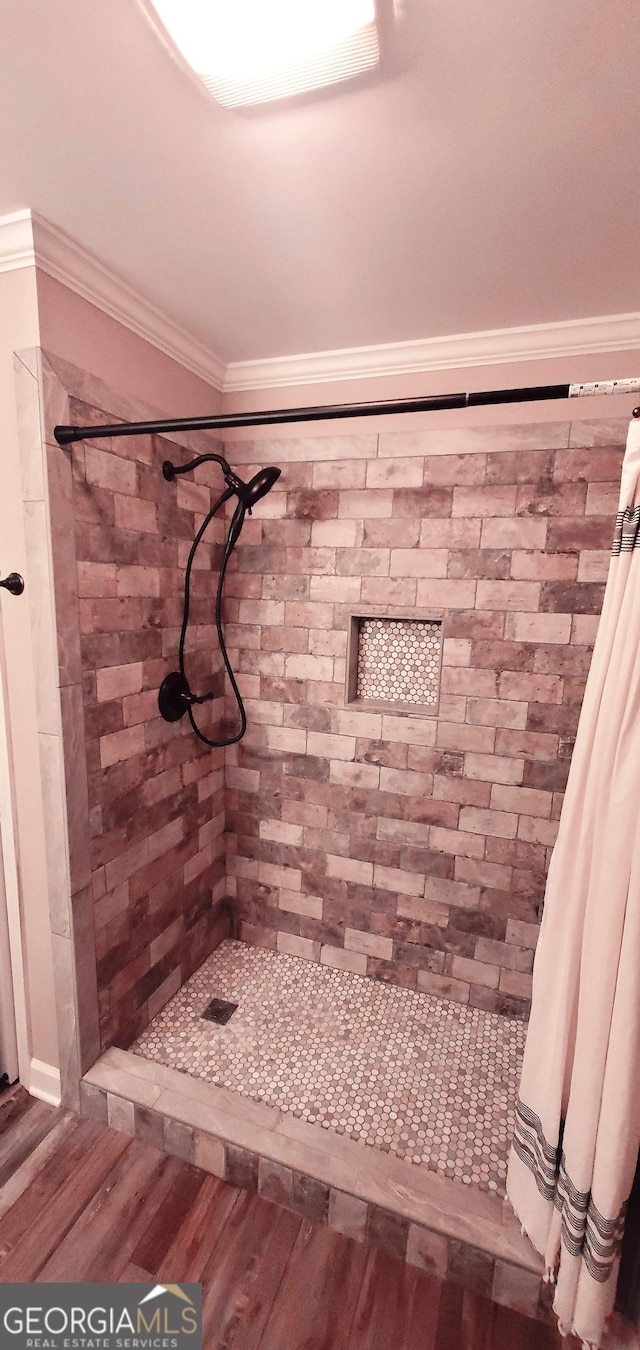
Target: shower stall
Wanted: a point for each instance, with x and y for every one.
(303, 915)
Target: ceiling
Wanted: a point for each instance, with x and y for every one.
(488, 178)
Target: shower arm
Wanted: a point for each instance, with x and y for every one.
(235, 484)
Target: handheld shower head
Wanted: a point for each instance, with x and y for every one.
(257, 487)
(235, 527)
(248, 494)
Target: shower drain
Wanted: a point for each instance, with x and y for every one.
(218, 1010)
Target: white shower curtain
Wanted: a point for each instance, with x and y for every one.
(577, 1131)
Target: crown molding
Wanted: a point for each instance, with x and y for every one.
(26, 240)
(577, 337)
(17, 248)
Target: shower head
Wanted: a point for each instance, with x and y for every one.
(248, 494)
(257, 487)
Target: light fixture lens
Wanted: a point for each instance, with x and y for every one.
(249, 51)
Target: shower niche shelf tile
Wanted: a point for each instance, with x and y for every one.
(394, 661)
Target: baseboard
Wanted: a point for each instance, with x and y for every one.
(44, 1082)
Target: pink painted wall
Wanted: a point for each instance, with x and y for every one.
(517, 374)
(81, 333)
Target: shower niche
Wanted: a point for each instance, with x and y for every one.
(394, 661)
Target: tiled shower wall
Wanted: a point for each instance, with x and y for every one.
(155, 792)
(415, 849)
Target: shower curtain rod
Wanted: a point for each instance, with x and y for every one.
(328, 412)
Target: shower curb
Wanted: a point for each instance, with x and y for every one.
(449, 1229)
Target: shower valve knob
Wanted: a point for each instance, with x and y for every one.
(13, 583)
(174, 697)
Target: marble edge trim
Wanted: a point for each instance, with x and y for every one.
(292, 446)
(450, 1195)
(346, 1166)
(88, 388)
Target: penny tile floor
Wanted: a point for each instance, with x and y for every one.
(431, 1081)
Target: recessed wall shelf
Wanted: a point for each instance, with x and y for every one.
(394, 661)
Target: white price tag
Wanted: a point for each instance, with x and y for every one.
(598, 387)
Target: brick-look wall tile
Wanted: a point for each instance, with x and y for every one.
(516, 982)
(93, 1103)
(148, 1126)
(134, 513)
(303, 947)
(368, 944)
(388, 1231)
(120, 745)
(454, 470)
(472, 1268)
(394, 473)
(109, 471)
(240, 1167)
(447, 594)
(531, 566)
(516, 1288)
(407, 847)
(428, 1251)
(116, 681)
(342, 959)
(484, 501)
(514, 533)
(310, 1198)
(155, 817)
(348, 1214)
(275, 1182)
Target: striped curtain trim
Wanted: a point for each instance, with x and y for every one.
(626, 535)
(585, 1231)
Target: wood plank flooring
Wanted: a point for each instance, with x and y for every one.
(79, 1201)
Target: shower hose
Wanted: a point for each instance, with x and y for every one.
(230, 542)
(175, 697)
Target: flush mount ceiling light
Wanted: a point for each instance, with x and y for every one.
(254, 51)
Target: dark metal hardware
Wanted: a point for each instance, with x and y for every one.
(276, 416)
(219, 1010)
(272, 417)
(175, 697)
(13, 583)
(171, 471)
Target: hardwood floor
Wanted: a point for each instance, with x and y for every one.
(80, 1202)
